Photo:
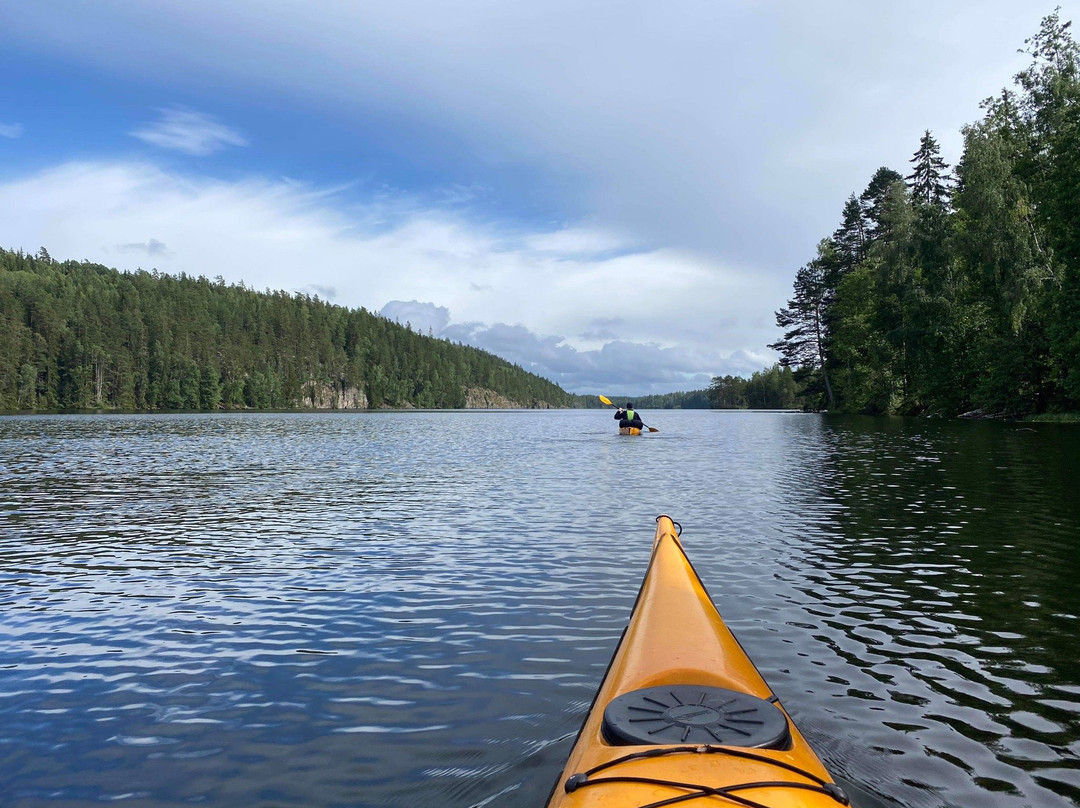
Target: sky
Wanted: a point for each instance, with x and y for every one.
(614, 195)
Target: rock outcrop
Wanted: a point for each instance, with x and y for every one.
(481, 398)
(334, 397)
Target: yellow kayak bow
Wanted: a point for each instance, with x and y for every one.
(682, 714)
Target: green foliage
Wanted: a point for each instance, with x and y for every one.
(728, 392)
(943, 295)
(929, 180)
(1056, 418)
(692, 400)
(805, 326)
(1050, 110)
(774, 388)
(81, 336)
(872, 200)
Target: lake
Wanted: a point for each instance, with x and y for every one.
(415, 608)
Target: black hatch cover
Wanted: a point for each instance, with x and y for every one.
(694, 714)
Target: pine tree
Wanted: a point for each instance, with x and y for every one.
(872, 200)
(803, 321)
(849, 241)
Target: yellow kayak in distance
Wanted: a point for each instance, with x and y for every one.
(683, 716)
(629, 430)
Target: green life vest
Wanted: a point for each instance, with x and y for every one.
(630, 415)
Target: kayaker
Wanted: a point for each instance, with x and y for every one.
(627, 416)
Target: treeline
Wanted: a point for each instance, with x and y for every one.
(774, 388)
(76, 335)
(691, 400)
(944, 292)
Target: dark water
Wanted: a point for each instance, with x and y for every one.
(408, 609)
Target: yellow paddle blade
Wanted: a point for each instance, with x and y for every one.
(607, 401)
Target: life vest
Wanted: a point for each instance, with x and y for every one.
(630, 415)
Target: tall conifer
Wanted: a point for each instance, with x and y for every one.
(803, 321)
(928, 181)
(872, 200)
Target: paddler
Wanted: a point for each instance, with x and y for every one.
(627, 416)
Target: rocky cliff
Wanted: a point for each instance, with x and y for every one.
(481, 398)
(334, 397)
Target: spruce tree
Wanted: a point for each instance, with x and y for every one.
(928, 181)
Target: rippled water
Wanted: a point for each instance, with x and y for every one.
(401, 609)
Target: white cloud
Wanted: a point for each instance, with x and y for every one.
(190, 132)
(628, 367)
(11, 130)
(736, 128)
(318, 290)
(581, 242)
(602, 329)
(678, 317)
(709, 145)
(152, 247)
(421, 317)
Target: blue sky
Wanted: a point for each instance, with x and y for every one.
(615, 195)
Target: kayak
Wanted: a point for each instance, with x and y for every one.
(682, 714)
(629, 430)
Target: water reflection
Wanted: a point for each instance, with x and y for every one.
(944, 579)
(407, 608)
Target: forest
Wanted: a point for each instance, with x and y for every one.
(773, 388)
(956, 291)
(688, 400)
(76, 336)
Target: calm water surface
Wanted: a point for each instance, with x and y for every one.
(404, 609)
